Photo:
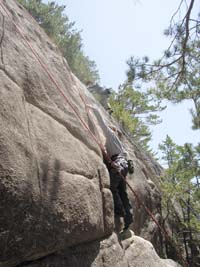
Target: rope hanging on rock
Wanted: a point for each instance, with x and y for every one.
(51, 77)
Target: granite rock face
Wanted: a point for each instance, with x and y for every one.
(133, 251)
(55, 204)
(141, 253)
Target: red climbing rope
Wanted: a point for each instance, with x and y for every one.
(51, 77)
(49, 74)
(88, 114)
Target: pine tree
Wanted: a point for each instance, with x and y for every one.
(180, 187)
(176, 74)
(135, 111)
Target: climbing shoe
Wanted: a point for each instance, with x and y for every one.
(127, 221)
(125, 234)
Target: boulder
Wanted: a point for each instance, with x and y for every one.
(55, 204)
(54, 185)
(141, 253)
(132, 251)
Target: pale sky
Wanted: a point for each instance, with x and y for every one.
(113, 30)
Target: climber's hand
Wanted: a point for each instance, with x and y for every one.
(116, 166)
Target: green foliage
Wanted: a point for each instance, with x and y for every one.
(169, 149)
(52, 19)
(84, 68)
(181, 185)
(135, 112)
(176, 74)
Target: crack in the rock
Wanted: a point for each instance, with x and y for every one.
(102, 199)
(2, 65)
(32, 146)
(26, 263)
(2, 38)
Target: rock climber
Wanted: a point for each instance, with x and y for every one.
(118, 168)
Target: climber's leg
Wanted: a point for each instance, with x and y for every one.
(122, 205)
(128, 218)
(114, 187)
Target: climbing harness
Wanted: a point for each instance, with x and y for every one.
(163, 231)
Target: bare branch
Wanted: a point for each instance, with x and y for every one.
(187, 32)
(176, 11)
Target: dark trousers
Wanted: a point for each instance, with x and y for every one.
(122, 206)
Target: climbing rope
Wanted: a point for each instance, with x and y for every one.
(89, 117)
(51, 77)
